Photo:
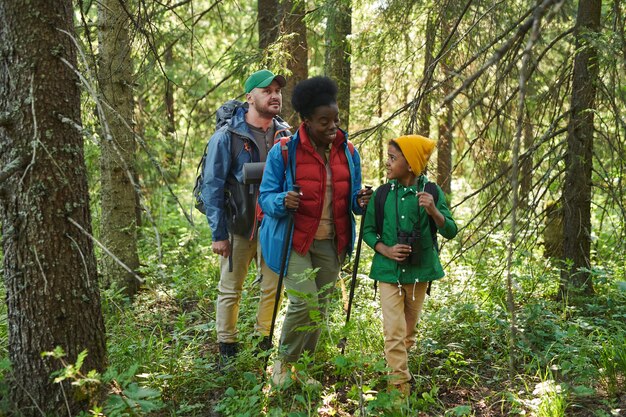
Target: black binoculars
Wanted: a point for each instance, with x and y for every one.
(413, 239)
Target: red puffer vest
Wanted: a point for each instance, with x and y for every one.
(311, 176)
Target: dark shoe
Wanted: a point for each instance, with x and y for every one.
(228, 351)
(265, 344)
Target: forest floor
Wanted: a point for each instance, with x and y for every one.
(446, 386)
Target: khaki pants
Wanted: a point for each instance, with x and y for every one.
(231, 284)
(401, 313)
(308, 298)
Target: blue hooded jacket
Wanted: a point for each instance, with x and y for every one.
(223, 178)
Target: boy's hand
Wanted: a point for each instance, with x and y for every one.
(398, 252)
(426, 200)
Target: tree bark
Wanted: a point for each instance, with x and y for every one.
(267, 11)
(444, 145)
(118, 228)
(526, 165)
(49, 264)
(294, 30)
(337, 60)
(578, 162)
(425, 110)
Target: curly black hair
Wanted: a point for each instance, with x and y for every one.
(312, 93)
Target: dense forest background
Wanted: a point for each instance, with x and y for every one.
(108, 276)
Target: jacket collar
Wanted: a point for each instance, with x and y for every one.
(239, 126)
(340, 138)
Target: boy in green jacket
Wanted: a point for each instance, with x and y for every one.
(406, 258)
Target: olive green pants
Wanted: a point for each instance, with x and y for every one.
(230, 288)
(401, 308)
(308, 297)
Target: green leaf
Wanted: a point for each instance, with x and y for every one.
(462, 410)
(80, 359)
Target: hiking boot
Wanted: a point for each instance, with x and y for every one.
(281, 374)
(404, 388)
(228, 352)
(265, 344)
(312, 383)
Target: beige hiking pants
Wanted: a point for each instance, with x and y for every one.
(231, 285)
(401, 308)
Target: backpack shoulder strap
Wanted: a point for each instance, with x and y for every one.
(351, 147)
(379, 206)
(283, 147)
(431, 188)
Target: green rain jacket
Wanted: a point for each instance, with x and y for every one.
(387, 270)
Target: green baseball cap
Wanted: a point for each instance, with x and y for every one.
(262, 79)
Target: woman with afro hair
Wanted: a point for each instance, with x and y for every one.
(327, 167)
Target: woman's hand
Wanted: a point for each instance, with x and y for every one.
(292, 200)
(364, 195)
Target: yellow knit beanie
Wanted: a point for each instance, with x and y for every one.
(416, 149)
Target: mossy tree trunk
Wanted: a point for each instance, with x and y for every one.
(444, 145)
(294, 32)
(425, 109)
(268, 16)
(118, 230)
(337, 60)
(49, 272)
(578, 162)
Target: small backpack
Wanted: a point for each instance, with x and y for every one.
(222, 116)
(379, 205)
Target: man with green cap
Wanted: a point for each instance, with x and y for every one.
(230, 205)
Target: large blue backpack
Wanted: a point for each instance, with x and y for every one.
(379, 205)
(222, 116)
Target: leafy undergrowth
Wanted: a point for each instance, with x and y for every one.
(568, 358)
(569, 361)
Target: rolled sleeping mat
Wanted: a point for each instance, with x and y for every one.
(253, 172)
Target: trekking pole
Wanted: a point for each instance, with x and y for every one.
(283, 266)
(344, 340)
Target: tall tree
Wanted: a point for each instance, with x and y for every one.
(171, 144)
(50, 275)
(444, 145)
(118, 220)
(337, 60)
(425, 109)
(267, 11)
(578, 162)
(294, 34)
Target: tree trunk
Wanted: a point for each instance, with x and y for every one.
(578, 162)
(49, 264)
(267, 12)
(294, 29)
(171, 145)
(169, 90)
(425, 110)
(526, 165)
(444, 145)
(337, 60)
(118, 221)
